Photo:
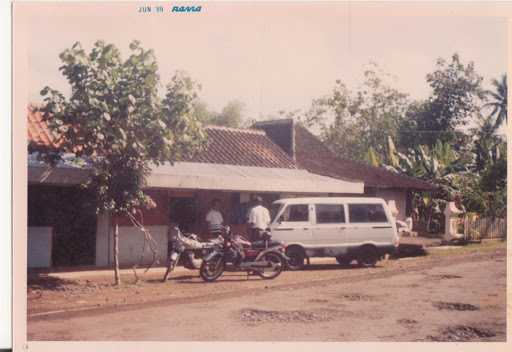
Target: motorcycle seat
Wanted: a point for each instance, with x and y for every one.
(261, 244)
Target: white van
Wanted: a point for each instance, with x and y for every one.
(348, 229)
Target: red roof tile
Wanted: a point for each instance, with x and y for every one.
(39, 135)
(243, 147)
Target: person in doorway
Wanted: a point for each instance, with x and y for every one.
(259, 219)
(214, 219)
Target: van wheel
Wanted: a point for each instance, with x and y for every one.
(344, 261)
(297, 256)
(368, 256)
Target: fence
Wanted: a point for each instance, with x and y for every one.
(477, 229)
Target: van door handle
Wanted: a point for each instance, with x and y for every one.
(306, 228)
(342, 228)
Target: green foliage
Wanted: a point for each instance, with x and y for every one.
(232, 115)
(456, 93)
(498, 104)
(116, 120)
(360, 119)
(372, 158)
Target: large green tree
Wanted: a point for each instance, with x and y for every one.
(354, 121)
(455, 98)
(115, 119)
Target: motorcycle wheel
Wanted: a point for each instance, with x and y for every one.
(212, 270)
(277, 263)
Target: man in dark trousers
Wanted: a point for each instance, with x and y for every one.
(259, 219)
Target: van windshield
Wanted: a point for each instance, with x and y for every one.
(274, 210)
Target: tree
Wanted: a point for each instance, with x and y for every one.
(116, 121)
(499, 101)
(455, 97)
(362, 118)
(230, 116)
(486, 145)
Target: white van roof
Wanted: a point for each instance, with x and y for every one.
(330, 200)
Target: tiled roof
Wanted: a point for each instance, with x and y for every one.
(39, 136)
(313, 155)
(243, 147)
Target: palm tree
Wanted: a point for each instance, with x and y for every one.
(499, 101)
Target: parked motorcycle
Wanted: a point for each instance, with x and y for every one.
(265, 258)
(189, 249)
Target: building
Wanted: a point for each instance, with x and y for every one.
(64, 230)
(309, 153)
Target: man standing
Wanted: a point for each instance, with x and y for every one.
(214, 218)
(259, 219)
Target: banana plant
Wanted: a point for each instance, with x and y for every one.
(440, 164)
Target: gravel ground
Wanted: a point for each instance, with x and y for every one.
(455, 295)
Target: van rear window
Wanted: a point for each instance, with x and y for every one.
(367, 213)
(329, 213)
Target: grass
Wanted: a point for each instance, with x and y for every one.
(483, 247)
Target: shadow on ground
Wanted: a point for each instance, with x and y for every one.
(409, 250)
(42, 281)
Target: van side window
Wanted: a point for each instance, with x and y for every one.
(367, 213)
(329, 213)
(296, 212)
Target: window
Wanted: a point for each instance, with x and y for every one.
(296, 212)
(274, 210)
(367, 213)
(329, 213)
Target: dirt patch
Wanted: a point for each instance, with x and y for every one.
(462, 333)
(255, 316)
(316, 300)
(445, 277)
(406, 321)
(47, 293)
(454, 306)
(357, 297)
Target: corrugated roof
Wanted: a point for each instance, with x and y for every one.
(230, 146)
(189, 175)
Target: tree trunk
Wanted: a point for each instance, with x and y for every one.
(117, 277)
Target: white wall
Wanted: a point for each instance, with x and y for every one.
(103, 242)
(39, 251)
(131, 240)
(400, 198)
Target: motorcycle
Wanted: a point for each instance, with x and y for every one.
(265, 258)
(189, 249)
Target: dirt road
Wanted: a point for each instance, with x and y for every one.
(445, 298)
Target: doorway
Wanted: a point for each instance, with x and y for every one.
(183, 212)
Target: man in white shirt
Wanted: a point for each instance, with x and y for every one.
(259, 219)
(214, 218)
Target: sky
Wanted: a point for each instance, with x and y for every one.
(271, 56)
